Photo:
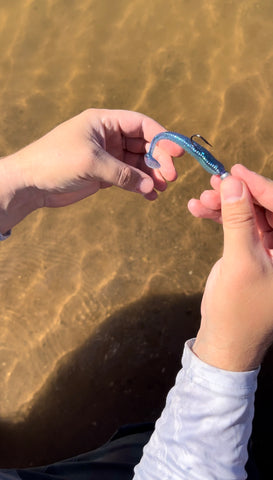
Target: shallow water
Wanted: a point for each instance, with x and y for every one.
(195, 67)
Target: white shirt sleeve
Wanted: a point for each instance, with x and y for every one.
(204, 429)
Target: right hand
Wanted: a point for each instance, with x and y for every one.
(261, 189)
(237, 306)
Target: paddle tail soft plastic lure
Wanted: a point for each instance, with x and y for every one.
(203, 156)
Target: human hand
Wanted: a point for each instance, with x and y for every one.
(93, 150)
(237, 307)
(261, 189)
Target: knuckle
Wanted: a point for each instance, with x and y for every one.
(89, 111)
(239, 219)
(124, 176)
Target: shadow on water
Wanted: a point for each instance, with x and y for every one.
(120, 375)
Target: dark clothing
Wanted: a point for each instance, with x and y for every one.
(113, 461)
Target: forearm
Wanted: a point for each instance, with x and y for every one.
(17, 199)
(204, 429)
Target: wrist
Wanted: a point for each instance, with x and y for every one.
(233, 357)
(16, 198)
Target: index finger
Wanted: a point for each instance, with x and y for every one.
(138, 125)
(138, 131)
(261, 188)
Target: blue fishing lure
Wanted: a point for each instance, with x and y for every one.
(201, 154)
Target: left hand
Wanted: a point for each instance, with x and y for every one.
(95, 149)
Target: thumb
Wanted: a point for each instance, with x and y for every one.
(109, 169)
(239, 221)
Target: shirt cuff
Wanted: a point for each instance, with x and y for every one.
(239, 384)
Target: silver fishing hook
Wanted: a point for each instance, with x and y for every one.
(202, 138)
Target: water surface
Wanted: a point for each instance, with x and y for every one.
(194, 66)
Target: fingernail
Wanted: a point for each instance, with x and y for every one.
(231, 189)
(145, 185)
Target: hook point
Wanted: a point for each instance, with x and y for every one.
(202, 138)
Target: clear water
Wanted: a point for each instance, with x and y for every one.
(68, 275)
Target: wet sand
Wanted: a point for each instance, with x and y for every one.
(97, 299)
